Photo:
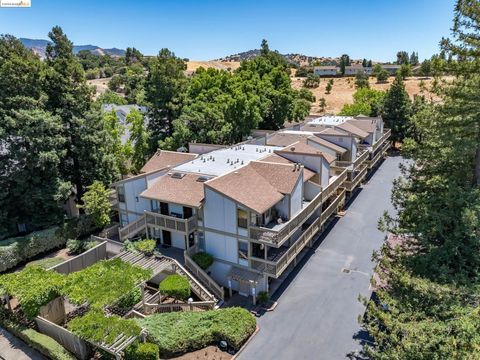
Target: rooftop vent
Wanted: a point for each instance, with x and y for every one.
(177, 175)
(292, 148)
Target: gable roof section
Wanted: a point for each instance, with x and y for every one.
(348, 127)
(328, 144)
(369, 124)
(258, 185)
(301, 147)
(285, 139)
(275, 158)
(163, 159)
(186, 190)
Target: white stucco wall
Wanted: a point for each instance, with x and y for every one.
(322, 148)
(297, 197)
(282, 207)
(310, 190)
(325, 175)
(311, 162)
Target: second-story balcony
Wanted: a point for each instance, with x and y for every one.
(356, 177)
(171, 223)
(362, 156)
(276, 234)
(383, 138)
(276, 260)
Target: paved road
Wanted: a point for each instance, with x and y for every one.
(316, 317)
(12, 348)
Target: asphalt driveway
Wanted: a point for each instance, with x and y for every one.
(316, 317)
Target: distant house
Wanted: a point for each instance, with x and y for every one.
(392, 69)
(122, 112)
(325, 70)
(353, 70)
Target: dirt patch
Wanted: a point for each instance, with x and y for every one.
(344, 88)
(101, 85)
(208, 353)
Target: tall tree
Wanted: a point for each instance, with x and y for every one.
(397, 110)
(87, 158)
(165, 87)
(344, 61)
(139, 137)
(402, 57)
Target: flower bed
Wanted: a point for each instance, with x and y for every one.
(180, 332)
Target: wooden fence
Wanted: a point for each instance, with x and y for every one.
(68, 340)
(83, 260)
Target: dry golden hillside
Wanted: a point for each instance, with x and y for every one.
(221, 65)
(344, 88)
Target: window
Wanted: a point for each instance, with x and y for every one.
(121, 194)
(242, 218)
(243, 250)
(339, 157)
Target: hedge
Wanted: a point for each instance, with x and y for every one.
(142, 351)
(17, 250)
(203, 259)
(40, 342)
(95, 326)
(175, 286)
(180, 332)
(46, 263)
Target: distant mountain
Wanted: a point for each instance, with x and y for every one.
(39, 47)
(298, 59)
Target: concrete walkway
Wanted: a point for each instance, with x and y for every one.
(316, 317)
(12, 348)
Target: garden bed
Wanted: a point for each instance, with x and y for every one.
(182, 332)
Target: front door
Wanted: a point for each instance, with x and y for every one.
(243, 288)
(167, 238)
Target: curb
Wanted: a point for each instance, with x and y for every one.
(257, 329)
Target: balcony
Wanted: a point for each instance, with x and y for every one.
(277, 234)
(277, 262)
(383, 138)
(374, 161)
(171, 223)
(361, 157)
(350, 185)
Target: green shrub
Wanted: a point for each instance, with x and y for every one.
(95, 326)
(103, 283)
(263, 297)
(180, 332)
(15, 251)
(203, 259)
(132, 298)
(33, 287)
(142, 351)
(46, 263)
(40, 342)
(75, 247)
(175, 286)
(146, 246)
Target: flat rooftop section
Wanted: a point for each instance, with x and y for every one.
(222, 161)
(330, 120)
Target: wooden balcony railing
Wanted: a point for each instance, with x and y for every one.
(361, 157)
(383, 138)
(276, 268)
(132, 228)
(171, 222)
(278, 237)
(372, 162)
(350, 185)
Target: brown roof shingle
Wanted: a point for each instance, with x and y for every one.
(328, 144)
(275, 158)
(352, 129)
(163, 159)
(301, 147)
(258, 185)
(186, 191)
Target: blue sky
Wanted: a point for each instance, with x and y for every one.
(204, 30)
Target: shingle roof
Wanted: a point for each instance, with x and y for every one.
(284, 139)
(328, 144)
(313, 127)
(275, 158)
(258, 185)
(301, 147)
(186, 190)
(368, 124)
(163, 159)
(353, 130)
(332, 131)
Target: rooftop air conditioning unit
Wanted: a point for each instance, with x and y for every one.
(177, 175)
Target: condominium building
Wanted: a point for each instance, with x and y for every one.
(254, 206)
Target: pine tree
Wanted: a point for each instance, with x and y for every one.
(396, 110)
